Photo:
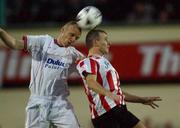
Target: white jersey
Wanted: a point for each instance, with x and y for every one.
(50, 66)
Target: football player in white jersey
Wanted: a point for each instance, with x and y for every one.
(102, 87)
(52, 61)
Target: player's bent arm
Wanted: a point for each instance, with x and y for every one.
(10, 41)
(95, 86)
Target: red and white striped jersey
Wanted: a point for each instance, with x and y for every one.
(107, 76)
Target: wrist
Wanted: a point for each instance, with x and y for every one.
(108, 94)
(143, 100)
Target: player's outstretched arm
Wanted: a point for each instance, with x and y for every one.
(144, 100)
(10, 41)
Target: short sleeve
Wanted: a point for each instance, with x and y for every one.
(34, 43)
(87, 66)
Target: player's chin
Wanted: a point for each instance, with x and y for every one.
(71, 43)
(107, 51)
(68, 44)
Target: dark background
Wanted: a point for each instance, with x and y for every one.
(114, 11)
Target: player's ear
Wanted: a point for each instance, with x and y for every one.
(96, 43)
(62, 31)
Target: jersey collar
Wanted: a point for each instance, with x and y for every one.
(95, 55)
(56, 42)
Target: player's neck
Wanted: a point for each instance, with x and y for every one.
(60, 42)
(94, 51)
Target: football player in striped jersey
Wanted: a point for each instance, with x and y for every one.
(102, 86)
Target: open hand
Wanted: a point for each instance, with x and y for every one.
(151, 101)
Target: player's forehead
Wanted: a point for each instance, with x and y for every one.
(73, 29)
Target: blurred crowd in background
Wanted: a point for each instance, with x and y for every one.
(119, 11)
(149, 123)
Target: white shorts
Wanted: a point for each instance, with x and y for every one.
(43, 111)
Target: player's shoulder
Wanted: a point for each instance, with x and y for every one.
(86, 60)
(40, 36)
(72, 48)
(95, 57)
(47, 37)
(81, 62)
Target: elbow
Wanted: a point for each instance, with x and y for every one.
(90, 85)
(13, 45)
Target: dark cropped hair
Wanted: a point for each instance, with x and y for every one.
(92, 35)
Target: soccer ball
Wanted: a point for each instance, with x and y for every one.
(89, 17)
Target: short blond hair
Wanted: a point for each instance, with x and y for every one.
(73, 23)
